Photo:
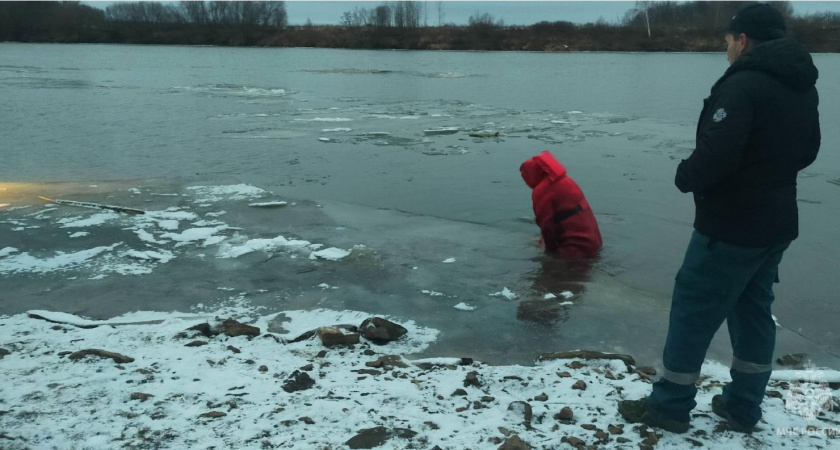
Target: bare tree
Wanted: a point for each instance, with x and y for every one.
(357, 17)
(643, 6)
(195, 12)
(484, 20)
(407, 14)
(440, 12)
(381, 16)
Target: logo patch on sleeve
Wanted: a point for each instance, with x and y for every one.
(720, 114)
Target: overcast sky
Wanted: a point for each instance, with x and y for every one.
(512, 12)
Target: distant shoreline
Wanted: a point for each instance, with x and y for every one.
(658, 27)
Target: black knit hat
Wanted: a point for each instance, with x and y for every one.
(758, 21)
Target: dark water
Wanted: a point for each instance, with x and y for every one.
(352, 131)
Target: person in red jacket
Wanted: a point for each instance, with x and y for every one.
(568, 226)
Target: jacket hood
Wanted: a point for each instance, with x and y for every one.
(539, 168)
(784, 59)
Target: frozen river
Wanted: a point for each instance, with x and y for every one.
(393, 156)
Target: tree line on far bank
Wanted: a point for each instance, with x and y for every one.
(646, 26)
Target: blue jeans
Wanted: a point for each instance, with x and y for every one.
(720, 281)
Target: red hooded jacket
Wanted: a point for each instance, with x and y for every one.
(568, 225)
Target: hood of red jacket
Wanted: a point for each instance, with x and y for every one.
(539, 168)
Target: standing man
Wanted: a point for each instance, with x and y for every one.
(758, 128)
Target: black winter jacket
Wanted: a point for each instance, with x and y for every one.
(758, 128)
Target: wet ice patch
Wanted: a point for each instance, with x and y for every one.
(90, 221)
(445, 75)
(206, 234)
(162, 256)
(233, 90)
(145, 236)
(506, 293)
(205, 194)
(390, 117)
(325, 119)
(441, 131)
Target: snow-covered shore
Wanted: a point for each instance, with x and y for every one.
(178, 388)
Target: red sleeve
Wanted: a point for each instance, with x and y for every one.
(544, 212)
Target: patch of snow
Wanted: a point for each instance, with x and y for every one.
(79, 234)
(464, 307)
(331, 254)
(506, 293)
(7, 251)
(567, 294)
(97, 391)
(216, 214)
(549, 296)
(206, 234)
(26, 263)
(431, 293)
(336, 130)
(228, 250)
(145, 236)
(449, 260)
(171, 225)
(207, 223)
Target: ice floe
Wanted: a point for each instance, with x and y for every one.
(331, 254)
(268, 204)
(506, 293)
(26, 263)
